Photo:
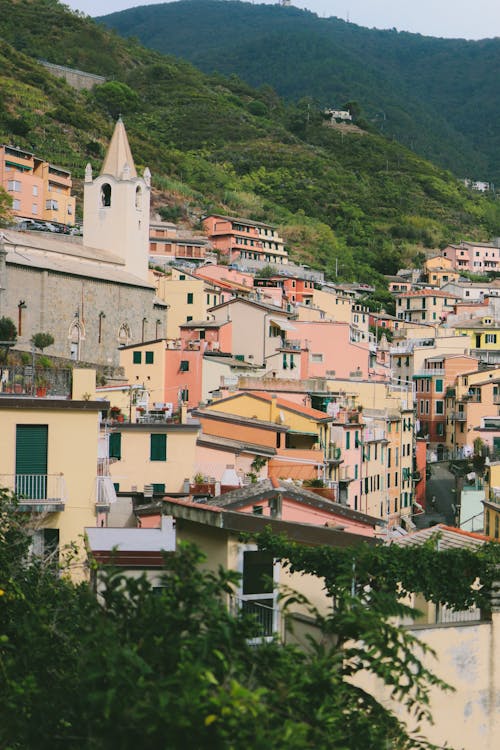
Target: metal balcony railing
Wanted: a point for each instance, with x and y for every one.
(37, 492)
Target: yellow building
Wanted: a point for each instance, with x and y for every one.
(188, 298)
(307, 426)
(49, 458)
(492, 502)
(439, 271)
(484, 334)
(145, 370)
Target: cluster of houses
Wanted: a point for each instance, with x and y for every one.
(217, 388)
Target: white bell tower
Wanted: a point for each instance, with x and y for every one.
(116, 206)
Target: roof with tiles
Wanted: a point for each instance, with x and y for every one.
(447, 537)
(426, 293)
(267, 488)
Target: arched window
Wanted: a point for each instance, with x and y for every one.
(76, 336)
(124, 334)
(106, 194)
(138, 197)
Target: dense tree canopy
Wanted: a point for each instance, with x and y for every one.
(175, 669)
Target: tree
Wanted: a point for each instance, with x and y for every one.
(8, 336)
(5, 207)
(42, 340)
(175, 669)
(116, 98)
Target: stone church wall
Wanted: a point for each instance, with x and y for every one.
(68, 307)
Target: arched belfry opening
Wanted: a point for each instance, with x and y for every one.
(106, 195)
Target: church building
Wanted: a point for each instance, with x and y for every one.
(92, 293)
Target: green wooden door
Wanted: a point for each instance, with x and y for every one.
(31, 460)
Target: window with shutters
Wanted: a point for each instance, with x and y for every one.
(158, 447)
(149, 358)
(137, 358)
(115, 445)
(31, 460)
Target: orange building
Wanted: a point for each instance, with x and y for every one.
(39, 190)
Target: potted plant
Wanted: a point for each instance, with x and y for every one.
(18, 383)
(41, 386)
(116, 413)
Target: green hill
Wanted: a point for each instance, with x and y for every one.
(351, 199)
(436, 96)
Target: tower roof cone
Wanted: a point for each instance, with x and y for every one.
(119, 157)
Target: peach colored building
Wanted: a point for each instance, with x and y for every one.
(431, 384)
(168, 243)
(298, 435)
(471, 403)
(39, 190)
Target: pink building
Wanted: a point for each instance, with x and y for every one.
(207, 335)
(475, 257)
(318, 349)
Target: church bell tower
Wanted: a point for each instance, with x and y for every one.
(116, 206)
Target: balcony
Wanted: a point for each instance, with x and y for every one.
(105, 493)
(291, 345)
(37, 493)
(155, 417)
(334, 454)
(458, 416)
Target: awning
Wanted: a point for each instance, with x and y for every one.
(284, 324)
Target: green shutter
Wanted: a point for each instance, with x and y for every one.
(31, 459)
(115, 445)
(158, 488)
(137, 358)
(149, 358)
(158, 448)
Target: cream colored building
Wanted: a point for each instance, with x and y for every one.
(152, 458)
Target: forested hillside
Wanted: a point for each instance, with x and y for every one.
(436, 96)
(347, 200)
